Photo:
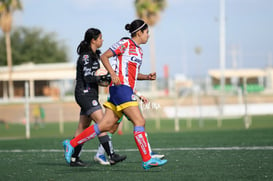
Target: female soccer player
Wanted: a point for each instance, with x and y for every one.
(86, 93)
(128, 55)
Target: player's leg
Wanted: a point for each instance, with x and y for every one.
(99, 156)
(107, 124)
(141, 140)
(69, 145)
(153, 154)
(106, 142)
(103, 136)
(83, 124)
(88, 106)
(91, 132)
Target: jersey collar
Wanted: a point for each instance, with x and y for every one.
(131, 41)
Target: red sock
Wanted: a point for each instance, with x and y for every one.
(142, 144)
(88, 134)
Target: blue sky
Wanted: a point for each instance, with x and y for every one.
(184, 25)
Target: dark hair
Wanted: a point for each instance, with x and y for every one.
(84, 46)
(135, 26)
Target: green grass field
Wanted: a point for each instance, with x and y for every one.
(208, 153)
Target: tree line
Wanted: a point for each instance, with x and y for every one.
(33, 45)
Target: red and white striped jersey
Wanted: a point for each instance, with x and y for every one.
(127, 62)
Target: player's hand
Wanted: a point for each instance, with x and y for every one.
(144, 99)
(152, 76)
(115, 79)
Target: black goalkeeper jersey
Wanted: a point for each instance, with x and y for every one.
(87, 65)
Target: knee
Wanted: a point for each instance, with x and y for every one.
(106, 125)
(103, 127)
(113, 129)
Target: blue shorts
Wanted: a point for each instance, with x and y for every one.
(121, 97)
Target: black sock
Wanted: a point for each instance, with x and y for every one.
(107, 145)
(77, 151)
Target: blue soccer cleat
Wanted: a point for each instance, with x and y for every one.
(153, 162)
(68, 151)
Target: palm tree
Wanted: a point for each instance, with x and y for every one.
(7, 7)
(149, 11)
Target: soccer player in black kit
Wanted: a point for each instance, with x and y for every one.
(86, 94)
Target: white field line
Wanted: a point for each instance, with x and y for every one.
(155, 149)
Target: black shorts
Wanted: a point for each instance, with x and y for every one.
(88, 103)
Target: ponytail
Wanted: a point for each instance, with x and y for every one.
(84, 46)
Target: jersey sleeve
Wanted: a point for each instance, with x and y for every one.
(119, 47)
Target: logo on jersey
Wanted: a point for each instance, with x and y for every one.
(132, 50)
(135, 59)
(122, 48)
(95, 66)
(133, 97)
(94, 102)
(87, 71)
(85, 59)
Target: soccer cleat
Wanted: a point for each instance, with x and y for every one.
(156, 155)
(76, 162)
(101, 159)
(153, 162)
(68, 151)
(115, 158)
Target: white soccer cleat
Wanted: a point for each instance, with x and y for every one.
(101, 159)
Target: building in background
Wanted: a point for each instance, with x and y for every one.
(45, 80)
(55, 80)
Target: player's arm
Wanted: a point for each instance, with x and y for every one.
(105, 61)
(150, 76)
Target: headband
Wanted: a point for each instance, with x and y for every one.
(138, 28)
